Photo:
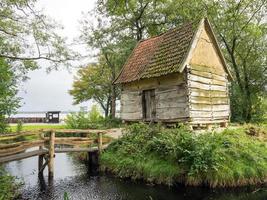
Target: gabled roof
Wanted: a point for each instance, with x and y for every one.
(165, 54)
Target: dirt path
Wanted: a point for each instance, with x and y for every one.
(115, 133)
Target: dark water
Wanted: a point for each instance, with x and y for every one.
(74, 177)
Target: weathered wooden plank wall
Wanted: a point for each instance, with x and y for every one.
(207, 83)
(170, 98)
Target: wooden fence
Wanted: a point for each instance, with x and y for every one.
(16, 151)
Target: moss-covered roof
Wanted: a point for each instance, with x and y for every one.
(158, 55)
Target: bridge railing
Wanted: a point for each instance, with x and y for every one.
(41, 139)
(12, 152)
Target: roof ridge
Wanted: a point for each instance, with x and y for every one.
(167, 31)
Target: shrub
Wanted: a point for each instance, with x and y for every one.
(8, 186)
(19, 126)
(3, 125)
(229, 158)
(90, 120)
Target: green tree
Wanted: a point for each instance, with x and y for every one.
(93, 82)
(8, 91)
(27, 35)
(120, 24)
(241, 29)
(239, 25)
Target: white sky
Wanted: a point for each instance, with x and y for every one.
(44, 91)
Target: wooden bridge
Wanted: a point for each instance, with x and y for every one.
(16, 151)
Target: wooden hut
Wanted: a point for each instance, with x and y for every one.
(178, 76)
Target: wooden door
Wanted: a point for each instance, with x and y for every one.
(149, 104)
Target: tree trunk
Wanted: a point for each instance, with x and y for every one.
(113, 101)
(107, 107)
(113, 87)
(248, 106)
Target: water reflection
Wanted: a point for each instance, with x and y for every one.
(76, 179)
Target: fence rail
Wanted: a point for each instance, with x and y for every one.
(16, 151)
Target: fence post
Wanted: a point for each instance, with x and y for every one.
(40, 157)
(40, 161)
(51, 154)
(99, 142)
(41, 134)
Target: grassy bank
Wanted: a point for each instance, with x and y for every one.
(8, 186)
(167, 156)
(34, 127)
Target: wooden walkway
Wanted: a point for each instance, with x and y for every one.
(24, 155)
(46, 156)
(40, 152)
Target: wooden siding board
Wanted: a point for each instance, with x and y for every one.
(194, 106)
(203, 86)
(171, 113)
(196, 92)
(205, 80)
(171, 102)
(131, 107)
(208, 100)
(220, 77)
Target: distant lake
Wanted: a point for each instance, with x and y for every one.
(62, 114)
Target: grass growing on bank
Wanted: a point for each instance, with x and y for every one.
(34, 127)
(8, 186)
(168, 156)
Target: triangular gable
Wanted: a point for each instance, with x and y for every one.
(201, 28)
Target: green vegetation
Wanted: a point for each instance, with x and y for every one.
(18, 20)
(127, 22)
(8, 91)
(93, 82)
(8, 186)
(34, 127)
(19, 126)
(234, 157)
(90, 120)
(66, 196)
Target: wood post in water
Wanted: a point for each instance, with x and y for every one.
(41, 157)
(40, 161)
(51, 154)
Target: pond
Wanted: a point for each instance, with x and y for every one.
(74, 177)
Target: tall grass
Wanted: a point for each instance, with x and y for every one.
(155, 154)
(8, 186)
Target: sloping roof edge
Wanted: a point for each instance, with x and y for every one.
(200, 27)
(116, 79)
(203, 22)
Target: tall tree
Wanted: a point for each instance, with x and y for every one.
(239, 25)
(241, 28)
(27, 35)
(120, 25)
(242, 32)
(8, 91)
(93, 82)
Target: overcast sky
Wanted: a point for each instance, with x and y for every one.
(43, 92)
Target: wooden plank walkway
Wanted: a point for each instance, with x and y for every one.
(69, 150)
(8, 154)
(24, 155)
(29, 154)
